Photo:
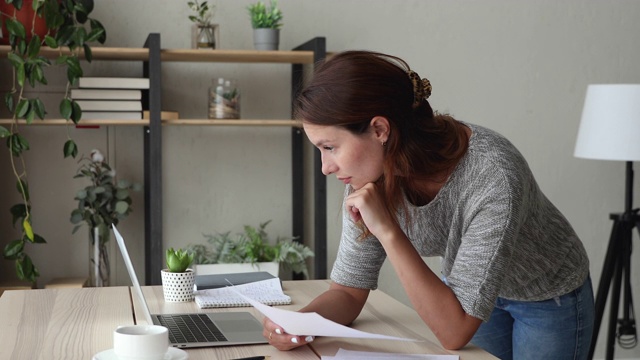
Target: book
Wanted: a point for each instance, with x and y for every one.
(164, 115)
(113, 83)
(105, 94)
(111, 115)
(268, 292)
(214, 281)
(110, 105)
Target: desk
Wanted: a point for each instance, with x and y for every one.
(71, 324)
(382, 314)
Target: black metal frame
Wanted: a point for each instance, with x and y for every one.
(319, 48)
(617, 264)
(154, 256)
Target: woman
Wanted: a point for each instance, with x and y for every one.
(515, 277)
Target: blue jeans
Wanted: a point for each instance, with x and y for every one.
(558, 328)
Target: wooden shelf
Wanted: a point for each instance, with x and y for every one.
(195, 122)
(185, 55)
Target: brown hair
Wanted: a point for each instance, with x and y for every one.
(352, 87)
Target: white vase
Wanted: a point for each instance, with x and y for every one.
(266, 39)
(178, 287)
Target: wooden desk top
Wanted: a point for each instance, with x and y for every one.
(382, 314)
(70, 324)
(61, 323)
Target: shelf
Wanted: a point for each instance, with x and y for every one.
(184, 55)
(195, 122)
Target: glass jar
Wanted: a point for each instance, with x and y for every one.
(224, 99)
(205, 38)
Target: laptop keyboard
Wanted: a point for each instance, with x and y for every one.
(191, 328)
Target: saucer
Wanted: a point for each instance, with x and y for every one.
(172, 354)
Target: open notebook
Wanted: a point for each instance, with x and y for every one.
(268, 292)
(197, 329)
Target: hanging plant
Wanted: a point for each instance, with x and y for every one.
(68, 25)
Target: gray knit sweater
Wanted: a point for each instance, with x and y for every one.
(497, 233)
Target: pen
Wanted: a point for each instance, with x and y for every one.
(254, 358)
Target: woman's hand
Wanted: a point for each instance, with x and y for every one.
(367, 204)
(281, 340)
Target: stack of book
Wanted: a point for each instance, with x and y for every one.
(108, 98)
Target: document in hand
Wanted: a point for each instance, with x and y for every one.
(311, 323)
(267, 292)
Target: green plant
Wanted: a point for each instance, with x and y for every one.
(101, 204)
(178, 260)
(204, 13)
(263, 16)
(252, 246)
(69, 25)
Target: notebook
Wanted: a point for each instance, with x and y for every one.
(214, 281)
(268, 292)
(198, 329)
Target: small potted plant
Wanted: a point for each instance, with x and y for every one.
(253, 248)
(178, 278)
(266, 22)
(205, 31)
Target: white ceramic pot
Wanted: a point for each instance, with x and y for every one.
(178, 287)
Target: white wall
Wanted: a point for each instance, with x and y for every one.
(519, 67)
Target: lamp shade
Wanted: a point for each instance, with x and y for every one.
(610, 124)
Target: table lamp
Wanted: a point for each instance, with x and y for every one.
(610, 130)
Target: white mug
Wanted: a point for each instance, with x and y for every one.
(140, 342)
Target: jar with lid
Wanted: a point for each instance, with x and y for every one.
(224, 99)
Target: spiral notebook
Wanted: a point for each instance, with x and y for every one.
(268, 292)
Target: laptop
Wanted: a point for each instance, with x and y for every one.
(198, 329)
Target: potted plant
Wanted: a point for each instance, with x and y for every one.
(252, 247)
(68, 25)
(178, 278)
(100, 204)
(205, 31)
(266, 22)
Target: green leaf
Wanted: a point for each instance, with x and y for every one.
(15, 59)
(95, 24)
(8, 100)
(38, 106)
(28, 230)
(37, 239)
(34, 46)
(88, 54)
(12, 249)
(22, 108)
(18, 211)
(76, 216)
(121, 207)
(4, 132)
(70, 149)
(76, 112)
(14, 27)
(25, 269)
(20, 74)
(65, 109)
(51, 41)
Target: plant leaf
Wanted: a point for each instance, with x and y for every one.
(65, 109)
(70, 149)
(12, 249)
(28, 230)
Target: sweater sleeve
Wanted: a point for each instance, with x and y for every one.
(358, 262)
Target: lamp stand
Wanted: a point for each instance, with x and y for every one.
(617, 264)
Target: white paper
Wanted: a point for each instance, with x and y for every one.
(303, 324)
(343, 354)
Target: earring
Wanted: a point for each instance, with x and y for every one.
(384, 143)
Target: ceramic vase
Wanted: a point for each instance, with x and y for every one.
(266, 39)
(178, 287)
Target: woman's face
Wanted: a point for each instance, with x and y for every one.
(354, 159)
